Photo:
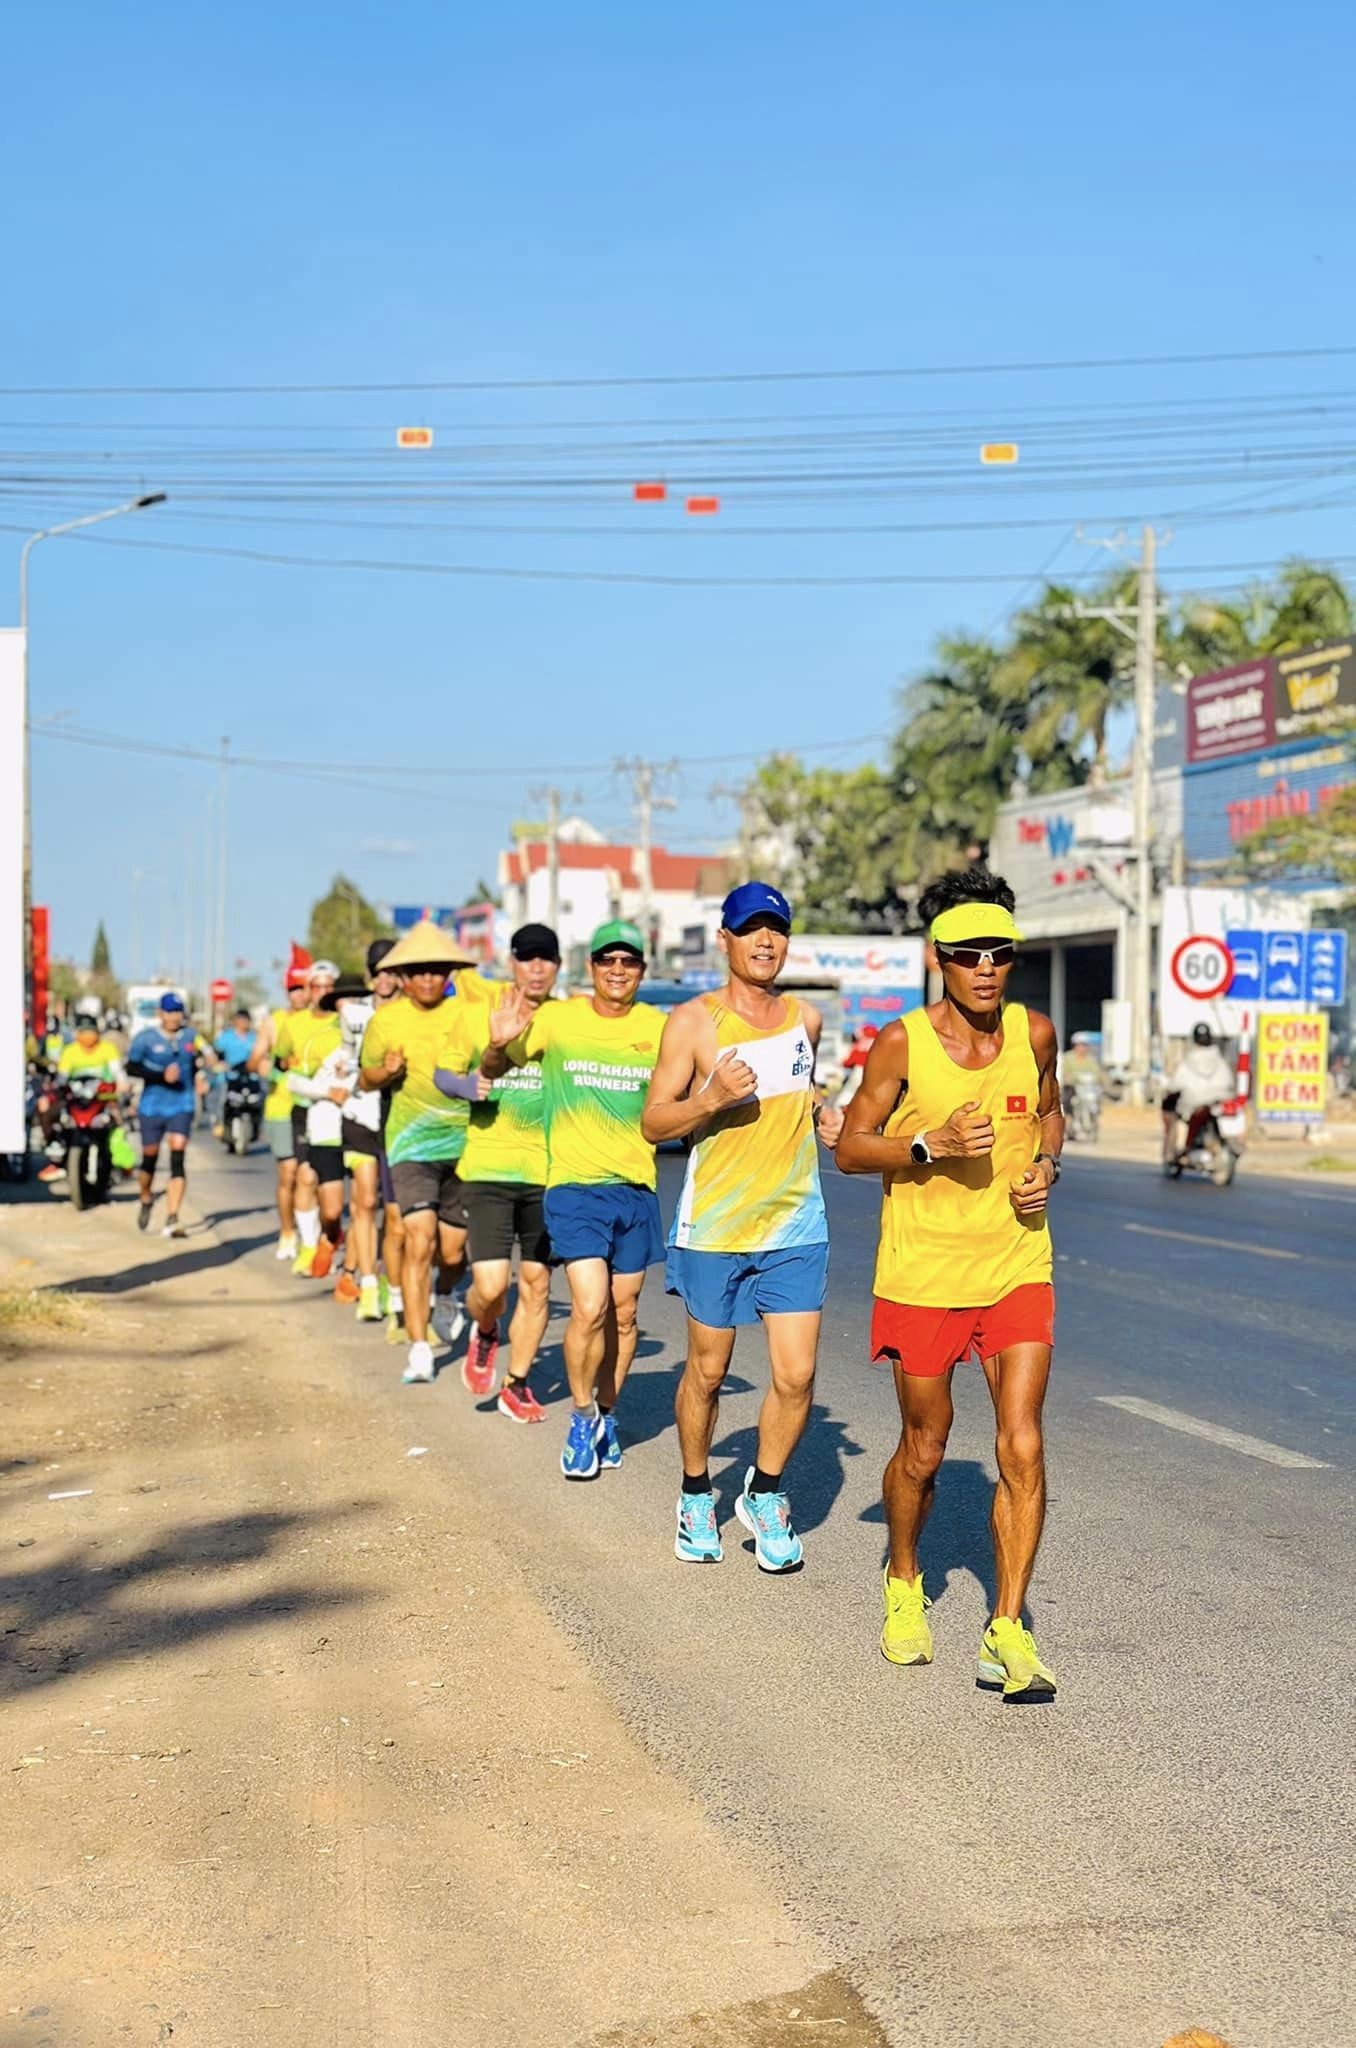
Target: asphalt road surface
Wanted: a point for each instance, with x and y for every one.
(1166, 1844)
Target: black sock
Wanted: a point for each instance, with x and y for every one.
(603, 1410)
(700, 1485)
(517, 1380)
(765, 1482)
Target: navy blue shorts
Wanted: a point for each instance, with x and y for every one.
(725, 1289)
(154, 1128)
(615, 1221)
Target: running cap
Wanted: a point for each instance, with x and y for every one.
(750, 900)
(348, 989)
(973, 921)
(618, 931)
(535, 942)
(322, 970)
(376, 954)
(173, 1004)
(426, 945)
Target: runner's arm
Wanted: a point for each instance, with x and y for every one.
(1050, 1101)
(828, 1120)
(862, 1147)
(671, 1109)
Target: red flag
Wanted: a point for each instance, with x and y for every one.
(300, 958)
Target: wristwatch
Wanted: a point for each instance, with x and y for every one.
(1049, 1159)
(918, 1150)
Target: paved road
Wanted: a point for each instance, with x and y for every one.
(1169, 1843)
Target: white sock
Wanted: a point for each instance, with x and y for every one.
(308, 1227)
(367, 1280)
(396, 1299)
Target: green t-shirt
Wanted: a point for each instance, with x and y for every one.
(595, 1072)
(506, 1136)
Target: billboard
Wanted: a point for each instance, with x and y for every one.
(1291, 1071)
(1315, 692)
(1230, 712)
(13, 1119)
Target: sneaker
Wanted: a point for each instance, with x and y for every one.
(609, 1444)
(384, 1295)
(767, 1517)
(174, 1228)
(369, 1303)
(478, 1367)
(144, 1215)
(579, 1459)
(395, 1329)
(419, 1366)
(1009, 1659)
(698, 1538)
(519, 1403)
(906, 1637)
(322, 1258)
(346, 1288)
(287, 1245)
(51, 1171)
(447, 1317)
(303, 1262)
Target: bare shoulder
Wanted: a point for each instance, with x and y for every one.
(892, 1046)
(811, 1015)
(1044, 1043)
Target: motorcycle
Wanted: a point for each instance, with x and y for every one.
(84, 1135)
(1206, 1150)
(242, 1111)
(1085, 1110)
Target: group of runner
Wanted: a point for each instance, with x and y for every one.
(475, 1119)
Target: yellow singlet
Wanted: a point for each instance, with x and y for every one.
(278, 1101)
(949, 1236)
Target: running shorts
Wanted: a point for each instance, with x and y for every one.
(505, 1212)
(725, 1289)
(326, 1163)
(926, 1342)
(300, 1149)
(430, 1184)
(279, 1132)
(614, 1220)
(154, 1128)
(359, 1141)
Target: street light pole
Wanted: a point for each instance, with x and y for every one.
(1146, 648)
(48, 533)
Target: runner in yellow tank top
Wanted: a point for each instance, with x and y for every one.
(959, 1112)
(750, 1241)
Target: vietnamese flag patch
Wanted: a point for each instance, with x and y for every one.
(1016, 1105)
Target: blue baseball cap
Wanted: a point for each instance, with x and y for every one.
(173, 1003)
(754, 899)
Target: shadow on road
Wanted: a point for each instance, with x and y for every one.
(73, 1614)
(957, 1537)
(173, 1266)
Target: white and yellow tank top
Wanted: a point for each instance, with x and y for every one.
(752, 1182)
(949, 1236)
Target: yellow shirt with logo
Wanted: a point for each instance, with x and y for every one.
(949, 1236)
(595, 1071)
(421, 1122)
(102, 1058)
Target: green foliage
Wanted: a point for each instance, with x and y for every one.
(1320, 845)
(343, 926)
(100, 961)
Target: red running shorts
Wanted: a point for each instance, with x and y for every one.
(926, 1342)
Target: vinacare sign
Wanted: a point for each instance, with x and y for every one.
(1274, 701)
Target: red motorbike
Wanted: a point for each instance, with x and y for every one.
(84, 1134)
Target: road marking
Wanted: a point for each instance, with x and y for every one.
(1232, 1439)
(1223, 1244)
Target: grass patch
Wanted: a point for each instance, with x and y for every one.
(1330, 1162)
(34, 1308)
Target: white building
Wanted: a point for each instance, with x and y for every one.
(598, 880)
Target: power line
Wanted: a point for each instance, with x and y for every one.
(687, 379)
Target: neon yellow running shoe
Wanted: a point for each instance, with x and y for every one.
(395, 1333)
(369, 1303)
(303, 1262)
(1009, 1659)
(906, 1637)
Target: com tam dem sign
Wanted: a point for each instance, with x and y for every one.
(1292, 1068)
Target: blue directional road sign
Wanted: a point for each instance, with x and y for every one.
(1325, 981)
(1246, 950)
(1283, 967)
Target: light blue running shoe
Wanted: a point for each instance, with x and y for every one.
(698, 1538)
(767, 1517)
(579, 1459)
(609, 1444)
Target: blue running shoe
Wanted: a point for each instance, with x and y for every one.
(579, 1459)
(609, 1444)
(767, 1517)
(698, 1538)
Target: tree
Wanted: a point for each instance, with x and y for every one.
(343, 926)
(100, 961)
(830, 838)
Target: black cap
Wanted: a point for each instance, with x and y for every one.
(346, 990)
(377, 952)
(535, 942)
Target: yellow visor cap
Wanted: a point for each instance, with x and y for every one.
(973, 921)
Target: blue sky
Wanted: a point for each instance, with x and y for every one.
(308, 195)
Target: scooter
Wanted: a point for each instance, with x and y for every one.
(242, 1110)
(84, 1135)
(1204, 1150)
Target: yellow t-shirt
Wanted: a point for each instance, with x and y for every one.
(595, 1072)
(278, 1101)
(102, 1058)
(506, 1134)
(422, 1122)
(949, 1236)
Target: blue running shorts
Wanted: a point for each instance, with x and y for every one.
(614, 1220)
(725, 1289)
(154, 1128)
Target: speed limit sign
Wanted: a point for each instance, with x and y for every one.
(1202, 967)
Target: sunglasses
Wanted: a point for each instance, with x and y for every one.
(1001, 954)
(617, 960)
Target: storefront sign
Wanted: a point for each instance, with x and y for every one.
(1316, 691)
(1291, 1068)
(1229, 712)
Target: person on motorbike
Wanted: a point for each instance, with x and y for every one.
(234, 1047)
(1080, 1068)
(89, 1052)
(1202, 1079)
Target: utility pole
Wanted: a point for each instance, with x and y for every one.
(552, 800)
(643, 775)
(741, 794)
(220, 965)
(136, 923)
(1141, 979)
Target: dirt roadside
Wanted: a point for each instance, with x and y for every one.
(290, 1754)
